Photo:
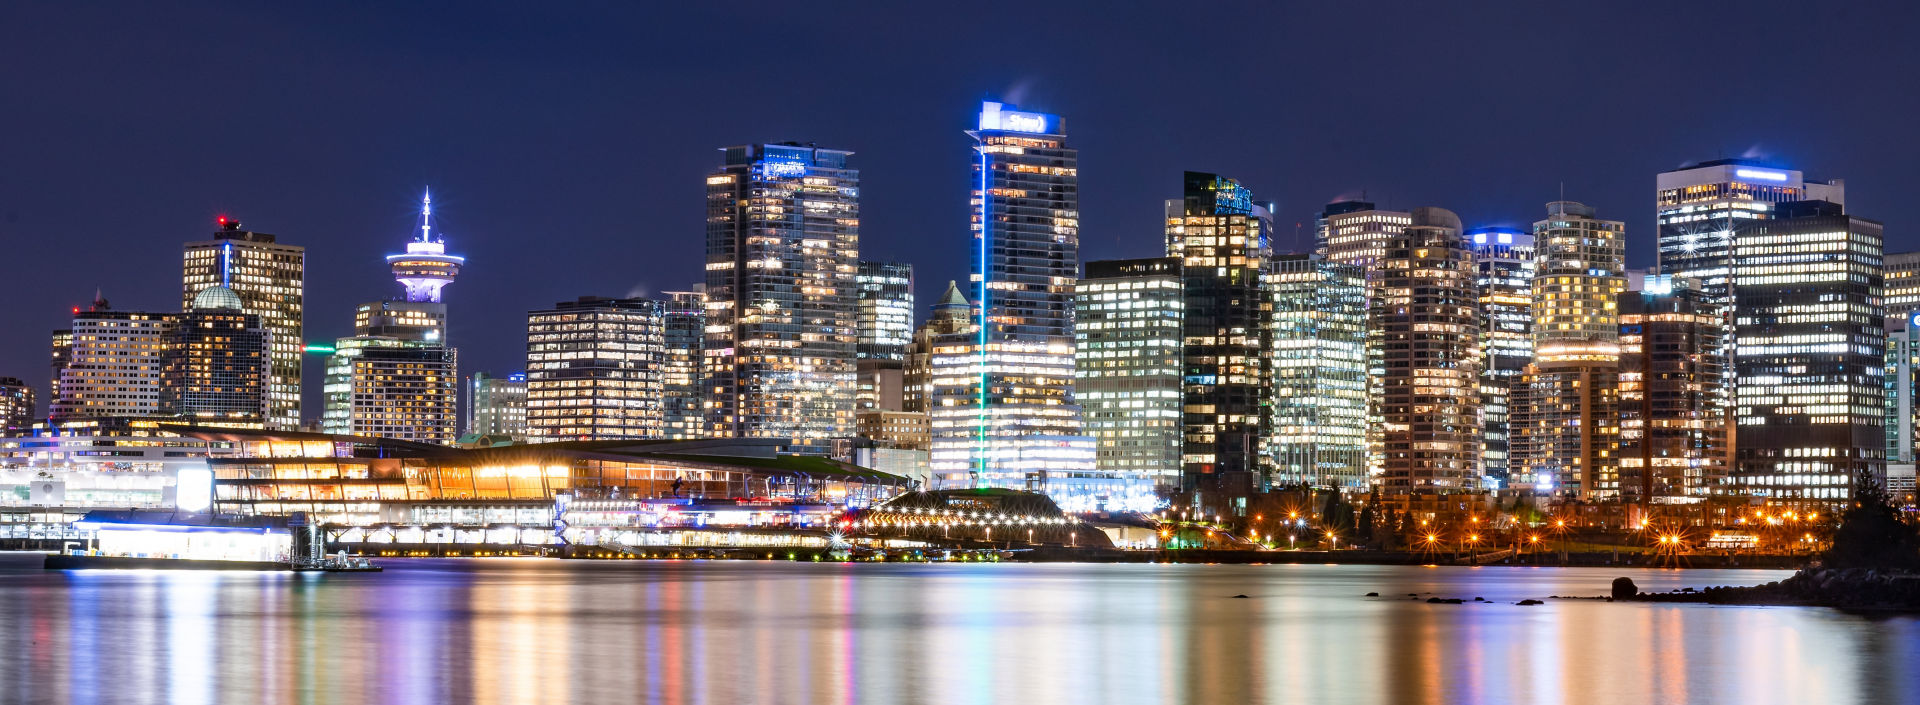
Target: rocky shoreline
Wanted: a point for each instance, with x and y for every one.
(1856, 589)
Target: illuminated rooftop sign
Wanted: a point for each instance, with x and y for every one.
(1761, 175)
(994, 117)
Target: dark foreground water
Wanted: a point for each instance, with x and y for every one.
(547, 631)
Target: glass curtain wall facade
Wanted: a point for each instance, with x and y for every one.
(683, 408)
(783, 240)
(1505, 260)
(1128, 327)
(1220, 235)
(1017, 373)
(886, 310)
(1317, 365)
(1356, 233)
(216, 374)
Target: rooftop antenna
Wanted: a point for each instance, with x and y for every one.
(426, 212)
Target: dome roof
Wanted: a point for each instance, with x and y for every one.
(216, 297)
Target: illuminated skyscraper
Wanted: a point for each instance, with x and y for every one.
(389, 388)
(1669, 371)
(1565, 421)
(595, 370)
(216, 373)
(1317, 365)
(1700, 209)
(1129, 328)
(1025, 426)
(783, 238)
(425, 267)
(682, 408)
(270, 279)
(1424, 320)
(1505, 261)
(1903, 388)
(1810, 349)
(497, 406)
(1356, 233)
(1220, 235)
(886, 309)
(16, 404)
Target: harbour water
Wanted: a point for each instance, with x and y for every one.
(550, 631)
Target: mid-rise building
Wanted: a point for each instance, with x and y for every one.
(270, 278)
(1810, 353)
(783, 239)
(497, 406)
(1356, 232)
(218, 363)
(886, 310)
(115, 362)
(1317, 366)
(1903, 287)
(385, 387)
(1903, 389)
(951, 314)
(1566, 411)
(1220, 235)
(594, 370)
(1424, 320)
(1504, 258)
(1129, 327)
(1004, 410)
(16, 404)
(683, 406)
(1673, 436)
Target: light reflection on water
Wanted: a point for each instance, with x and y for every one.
(526, 630)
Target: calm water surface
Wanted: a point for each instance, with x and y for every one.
(547, 631)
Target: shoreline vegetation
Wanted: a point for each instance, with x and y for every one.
(1874, 565)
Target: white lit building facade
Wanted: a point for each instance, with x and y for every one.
(1128, 327)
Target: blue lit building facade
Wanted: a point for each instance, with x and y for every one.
(1003, 404)
(783, 238)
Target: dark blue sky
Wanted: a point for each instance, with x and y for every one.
(566, 144)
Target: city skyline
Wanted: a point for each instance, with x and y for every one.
(569, 162)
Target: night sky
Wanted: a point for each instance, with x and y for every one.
(566, 144)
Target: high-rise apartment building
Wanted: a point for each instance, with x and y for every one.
(1673, 436)
(497, 406)
(1356, 233)
(1810, 344)
(1220, 235)
(1504, 259)
(1128, 327)
(1004, 413)
(1903, 388)
(16, 404)
(595, 370)
(217, 367)
(270, 278)
(114, 366)
(1424, 320)
(1565, 420)
(783, 238)
(683, 405)
(1317, 366)
(886, 310)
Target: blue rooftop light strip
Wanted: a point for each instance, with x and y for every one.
(980, 421)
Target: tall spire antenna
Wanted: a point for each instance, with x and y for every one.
(426, 212)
